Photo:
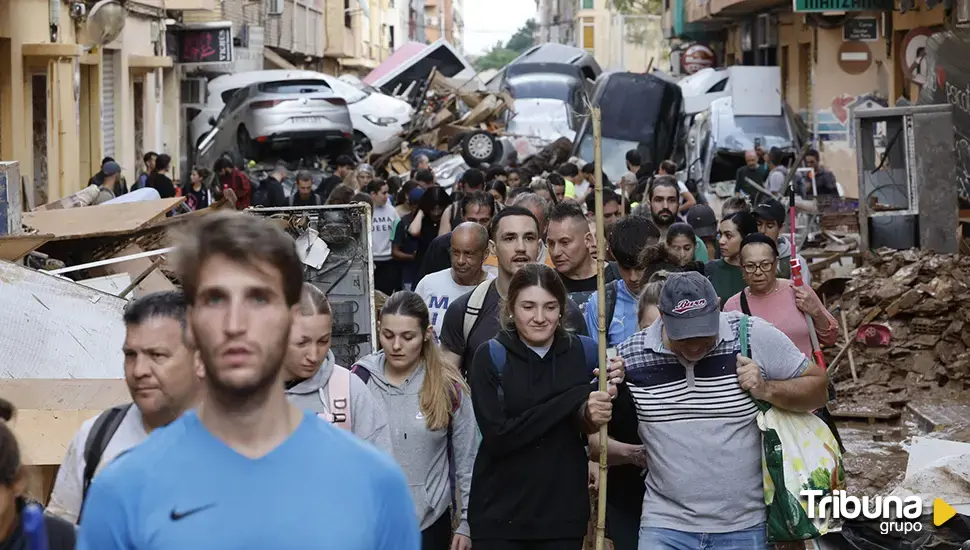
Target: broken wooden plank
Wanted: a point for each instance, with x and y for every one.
(15, 247)
(99, 221)
(155, 281)
(869, 415)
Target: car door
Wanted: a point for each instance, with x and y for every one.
(222, 138)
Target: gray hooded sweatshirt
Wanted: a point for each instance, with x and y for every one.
(421, 453)
(784, 259)
(367, 413)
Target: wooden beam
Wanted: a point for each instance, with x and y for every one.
(148, 63)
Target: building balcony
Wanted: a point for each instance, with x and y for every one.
(339, 39)
(299, 29)
(191, 5)
(707, 11)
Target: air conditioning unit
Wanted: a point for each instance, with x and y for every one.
(274, 7)
(962, 12)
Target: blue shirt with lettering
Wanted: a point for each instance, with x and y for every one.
(183, 488)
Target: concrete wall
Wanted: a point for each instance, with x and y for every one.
(70, 121)
(612, 47)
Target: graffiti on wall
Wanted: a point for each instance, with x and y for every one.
(835, 123)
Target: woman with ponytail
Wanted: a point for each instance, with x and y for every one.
(433, 430)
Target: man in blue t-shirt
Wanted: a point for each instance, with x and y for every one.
(247, 470)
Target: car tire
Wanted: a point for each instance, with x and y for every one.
(244, 143)
(479, 147)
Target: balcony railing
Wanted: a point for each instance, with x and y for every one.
(300, 29)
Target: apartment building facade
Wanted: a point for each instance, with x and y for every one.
(443, 18)
(617, 41)
(831, 61)
(66, 102)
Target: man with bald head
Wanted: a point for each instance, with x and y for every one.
(751, 170)
(469, 247)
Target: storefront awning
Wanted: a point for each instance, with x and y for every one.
(277, 59)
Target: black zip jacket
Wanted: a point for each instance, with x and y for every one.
(530, 476)
(60, 533)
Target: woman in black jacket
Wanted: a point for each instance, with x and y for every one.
(13, 484)
(534, 404)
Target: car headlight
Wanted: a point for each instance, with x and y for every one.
(381, 120)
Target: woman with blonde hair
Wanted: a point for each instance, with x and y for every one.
(648, 309)
(433, 433)
(316, 383)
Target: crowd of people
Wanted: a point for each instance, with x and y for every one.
(468, 426)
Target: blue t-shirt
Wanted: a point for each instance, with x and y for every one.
(184, 488)
(624, 323)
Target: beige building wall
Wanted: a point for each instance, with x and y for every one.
(73, 140)
(610, 43)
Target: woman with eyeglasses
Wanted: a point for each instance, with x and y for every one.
(725, 273)
(776, 300)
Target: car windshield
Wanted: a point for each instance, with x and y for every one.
(545, 118)
(349, 93)
(295, 87)
(542, 88)
(740, 132)
(614, 154)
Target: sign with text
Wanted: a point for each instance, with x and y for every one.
(864, 29)
(204, 45)
(842, 5)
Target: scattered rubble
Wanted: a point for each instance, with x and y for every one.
(923, 299)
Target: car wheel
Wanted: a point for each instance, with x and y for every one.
(362, 146)
(478, 147)
(244, 143)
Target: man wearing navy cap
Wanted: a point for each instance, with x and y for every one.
(691, 389)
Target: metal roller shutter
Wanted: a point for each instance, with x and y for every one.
(108, 102)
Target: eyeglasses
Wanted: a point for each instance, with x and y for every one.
(763, 266)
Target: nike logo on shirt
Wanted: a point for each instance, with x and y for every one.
(176, 515)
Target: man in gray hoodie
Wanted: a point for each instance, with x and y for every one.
(368, 420)
(771, 218)
(438, 464)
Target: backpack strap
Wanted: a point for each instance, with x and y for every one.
(611, 291)
(474, 307)
(591, 350)
(744, 304)
(498, 354)
(339, 406)
(452, 467)
(97, 441)
(361, 373)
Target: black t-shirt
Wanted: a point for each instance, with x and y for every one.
(327, 185)
(196, 200)
(312, 200)
(408, 245)
(269, 193)
(625, 482)
(437, 257)
(581, 289)
(487, 325)
(163, 184)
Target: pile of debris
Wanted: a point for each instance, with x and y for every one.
(908, 319)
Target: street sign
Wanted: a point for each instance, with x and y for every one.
(865, 29)
(842, 5)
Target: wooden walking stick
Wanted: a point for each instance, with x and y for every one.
(601, 306)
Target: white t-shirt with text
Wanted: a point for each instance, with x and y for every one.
(438, 290)
(383, 227)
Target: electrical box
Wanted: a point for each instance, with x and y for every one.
(334, 243)
(907, 189)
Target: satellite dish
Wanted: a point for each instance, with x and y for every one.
(104, 23)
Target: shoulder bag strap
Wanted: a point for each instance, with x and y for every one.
(474, 307)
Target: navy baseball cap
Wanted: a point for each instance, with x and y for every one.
(690, 306)
(701, 217)
(771, 210)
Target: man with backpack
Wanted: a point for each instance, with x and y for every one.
(473, 318)
(627, 241)
(160, 371)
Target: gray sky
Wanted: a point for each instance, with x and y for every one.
(488, 21)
